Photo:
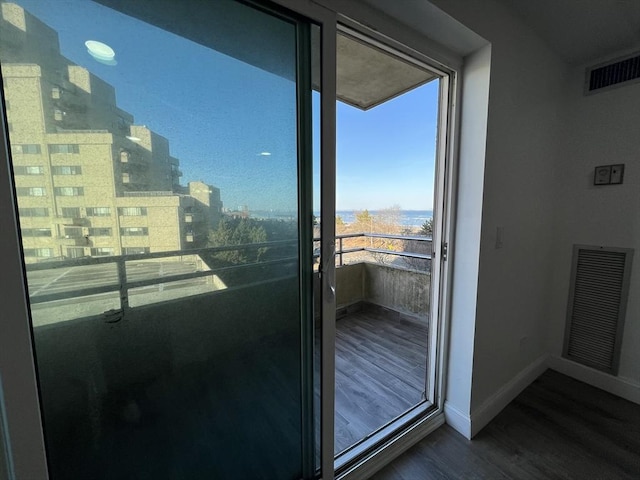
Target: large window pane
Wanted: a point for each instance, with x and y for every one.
(155, 153)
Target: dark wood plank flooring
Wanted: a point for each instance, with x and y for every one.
(380, 371)
(558, 428)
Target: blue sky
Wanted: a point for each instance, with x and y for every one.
(219, 114)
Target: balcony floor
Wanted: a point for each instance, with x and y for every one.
(380, 371)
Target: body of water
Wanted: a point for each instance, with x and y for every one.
(408, 218)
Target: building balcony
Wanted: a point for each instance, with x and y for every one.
(73, 241)
(72, 221)
(134, 159)
(122, 342)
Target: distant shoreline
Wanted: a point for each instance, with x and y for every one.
(407, 218)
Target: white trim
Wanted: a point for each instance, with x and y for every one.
(620, 386)
(458, 420)
(328, 247)
(396, 447)
(492, 406)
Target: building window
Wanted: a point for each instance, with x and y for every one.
(135, 250)
(70, 212)
(33, 212)
(100, 232)
(58, 115)
(98, 211)
(56, 93)
(101, 251)
(69, 191)
(38, 252)
(132, 211)
(28, 170)
(31, 191)
(26, 148)
(134, 231)
(67, 170)
(64, 148)
(124, 156)
(75, 252)
(123, 124)
(36, 232)
(72, 232)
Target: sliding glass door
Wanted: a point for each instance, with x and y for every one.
(162, 178)
(172, 166)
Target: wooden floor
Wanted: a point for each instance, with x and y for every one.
(558, 428)
(380, 371)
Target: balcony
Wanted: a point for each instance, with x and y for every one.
(125, 360)
(73, 241)
(72, 221)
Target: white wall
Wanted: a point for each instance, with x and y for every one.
(544, 138)
(524, 130)
(602, 129)
(465, 248)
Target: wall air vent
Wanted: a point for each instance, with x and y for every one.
(620, 71)
(597, 305)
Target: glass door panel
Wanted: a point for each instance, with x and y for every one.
(387, 124)
(157, 162)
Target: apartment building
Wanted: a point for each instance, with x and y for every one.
(89, 182)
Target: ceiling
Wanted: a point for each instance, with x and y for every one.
(367, 76)
(582, 31)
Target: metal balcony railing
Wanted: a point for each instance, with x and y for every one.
(122, 284)
(341, 251)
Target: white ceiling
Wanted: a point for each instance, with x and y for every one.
(582, 31)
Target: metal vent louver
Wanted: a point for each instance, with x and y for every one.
(613, 73)
(597, 304)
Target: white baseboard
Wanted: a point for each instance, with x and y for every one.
(491, 407)
(622, 387)
(459, 421)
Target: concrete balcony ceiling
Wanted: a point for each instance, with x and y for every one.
(368, 76)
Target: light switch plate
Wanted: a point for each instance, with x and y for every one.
(617, 173)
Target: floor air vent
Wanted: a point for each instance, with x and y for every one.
(597, 304)
(613, 73)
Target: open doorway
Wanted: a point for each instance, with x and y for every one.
(387, 127)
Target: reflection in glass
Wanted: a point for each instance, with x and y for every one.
(156, 173)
